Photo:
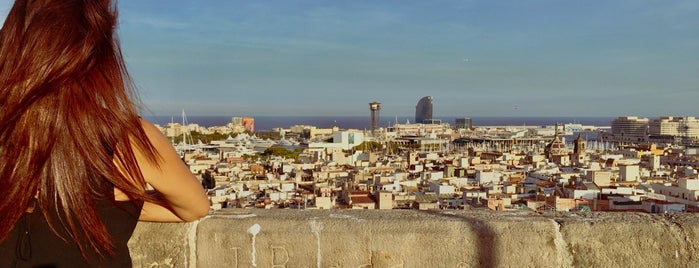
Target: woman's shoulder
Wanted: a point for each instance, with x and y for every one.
(149, 127)
(155, 135)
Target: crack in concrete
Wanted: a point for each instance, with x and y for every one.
(191, 240)
(564, 257)
(688, 243)
(316, 228)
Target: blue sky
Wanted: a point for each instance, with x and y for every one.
(476, 58)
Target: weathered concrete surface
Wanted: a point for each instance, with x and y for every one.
(410, 238)
(631, 240)
(163, 245)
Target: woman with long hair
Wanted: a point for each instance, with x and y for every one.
(76, 160)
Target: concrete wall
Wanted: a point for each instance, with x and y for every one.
(410, 238)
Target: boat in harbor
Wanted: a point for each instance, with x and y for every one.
(261, 143)
(288, 143)
(235, 146)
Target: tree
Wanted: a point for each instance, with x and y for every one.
(369, 146)
(251, 157)
(281, 152)
(205, 138)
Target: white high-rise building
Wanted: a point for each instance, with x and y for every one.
(630, 126)
(629, 129)
(674, 126)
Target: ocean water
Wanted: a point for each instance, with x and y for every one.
(363, 122)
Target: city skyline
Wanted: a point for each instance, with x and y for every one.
(476, 58)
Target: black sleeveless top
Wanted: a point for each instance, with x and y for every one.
(32, 243)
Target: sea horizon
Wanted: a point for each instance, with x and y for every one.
(268, 122)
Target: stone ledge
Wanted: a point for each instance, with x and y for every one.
(411, 238)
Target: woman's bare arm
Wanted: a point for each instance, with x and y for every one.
(157, 213)
(172, 181)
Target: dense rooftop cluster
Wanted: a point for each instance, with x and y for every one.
(435, 166)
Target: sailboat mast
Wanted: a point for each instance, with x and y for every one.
(185, 133)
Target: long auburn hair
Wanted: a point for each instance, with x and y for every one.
(67, 117)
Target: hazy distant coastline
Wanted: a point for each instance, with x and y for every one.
(362, 122)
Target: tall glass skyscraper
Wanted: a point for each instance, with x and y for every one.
(423, 110)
